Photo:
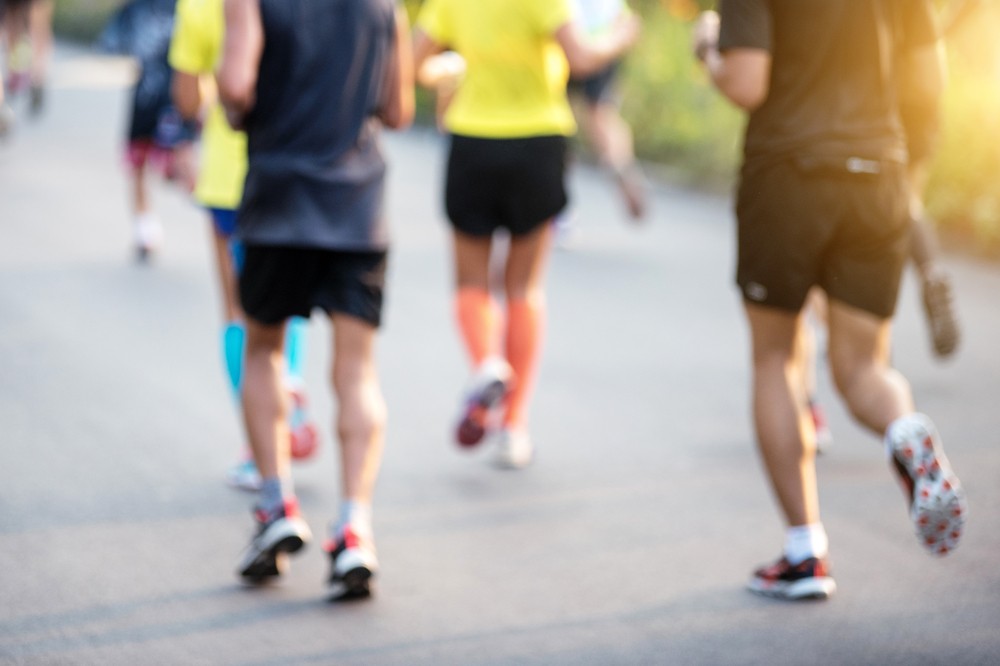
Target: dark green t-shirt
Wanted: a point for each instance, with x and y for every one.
(832, 90)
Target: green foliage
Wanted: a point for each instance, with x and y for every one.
(681, 123)
(677, 117)
(963, 195)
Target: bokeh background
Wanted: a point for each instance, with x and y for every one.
(687, 133)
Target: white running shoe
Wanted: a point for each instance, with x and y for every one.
(514, 449)
(244, 475)
(937, 502)
(148, 234)
(283, 531)
(353, 563)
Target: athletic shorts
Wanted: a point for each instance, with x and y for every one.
(802, 224)
(281, 282)
(599, 87)
(515, 184)
(142, 152)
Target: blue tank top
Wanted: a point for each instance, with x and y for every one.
(316, 172)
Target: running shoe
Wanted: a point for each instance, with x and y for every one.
(304, 434)
(935, 497)
(939, 309)
(148, 235)
(824, 438)
(353, 563)
(514, 449)
(278, 533)
(809, 579)
(244, 475)
(486, 391)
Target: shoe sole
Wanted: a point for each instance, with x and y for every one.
(941, 317)
(817, 587)
(355, 580)
(471, 430)
(938, 506)
(265, 562)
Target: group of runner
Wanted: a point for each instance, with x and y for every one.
(297, 212)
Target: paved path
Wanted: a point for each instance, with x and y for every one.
(627, 543)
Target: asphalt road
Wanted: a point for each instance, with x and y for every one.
(627, 542)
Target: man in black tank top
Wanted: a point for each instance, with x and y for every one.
(822, 202)
(312, 82)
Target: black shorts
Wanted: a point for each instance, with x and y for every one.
(816, 223)
(599, 87)
(516, 184)
(281, 282)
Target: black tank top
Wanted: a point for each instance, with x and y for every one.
(316, 170)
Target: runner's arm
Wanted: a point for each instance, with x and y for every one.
(589, 56)
(742, 75)
(185, 92)
(241, 52)
(398, 103)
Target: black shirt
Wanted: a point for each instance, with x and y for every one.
(316, 170)
(831, 90)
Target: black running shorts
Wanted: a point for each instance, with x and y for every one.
(599, 87)
(516, 184)
(281, 282)
(843, 227)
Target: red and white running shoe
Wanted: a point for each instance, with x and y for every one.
(937, 503)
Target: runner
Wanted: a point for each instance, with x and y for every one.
(607, 132)
(313, 226)
(157, 136)
(194, 55)
(509, 122)
(832, 186)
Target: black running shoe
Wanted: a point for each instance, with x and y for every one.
(809, 579)
(353, 564)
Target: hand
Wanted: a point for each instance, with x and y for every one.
(628, 28)
(443, 71)
(706, 34)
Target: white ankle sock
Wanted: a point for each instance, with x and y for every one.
(805, 541)
(356, 513)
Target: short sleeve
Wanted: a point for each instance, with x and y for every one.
(745, 24)
(433, 19)
(188, 48)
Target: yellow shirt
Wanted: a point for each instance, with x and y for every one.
(196, 47)
(515, 81)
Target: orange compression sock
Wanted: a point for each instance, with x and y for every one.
(479, 321)
(525, 330)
